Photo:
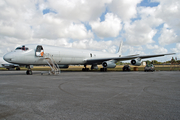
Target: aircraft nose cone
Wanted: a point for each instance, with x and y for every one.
(7, 57)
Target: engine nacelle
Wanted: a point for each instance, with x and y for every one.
(108, 64)
(63, 66)
(136, 62)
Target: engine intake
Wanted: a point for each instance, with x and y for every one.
(108, 64)
(136, 62)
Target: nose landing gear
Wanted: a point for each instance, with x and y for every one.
(29, 71)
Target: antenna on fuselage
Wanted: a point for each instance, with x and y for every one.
(120, 48)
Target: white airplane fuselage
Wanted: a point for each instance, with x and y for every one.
(57, 57)
(62, 56)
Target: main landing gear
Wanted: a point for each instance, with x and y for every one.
(94, 67)
(103, 69)
(18, 68)
(29, 71)
(85, 69)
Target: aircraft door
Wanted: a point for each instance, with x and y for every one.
(39, 51)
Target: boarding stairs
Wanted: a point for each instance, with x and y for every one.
(55, 70)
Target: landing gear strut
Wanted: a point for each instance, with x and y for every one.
(85, 69)
(29, 71)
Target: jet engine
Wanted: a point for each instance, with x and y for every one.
(108, 64)
(136, 62)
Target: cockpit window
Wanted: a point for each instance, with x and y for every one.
(22, 48)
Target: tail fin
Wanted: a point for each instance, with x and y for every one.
(120, 48)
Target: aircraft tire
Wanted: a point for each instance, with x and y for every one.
(18, 68)
(85, 69)
(103, 69)
(29, 72)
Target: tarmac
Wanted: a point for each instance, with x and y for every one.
(90, 96)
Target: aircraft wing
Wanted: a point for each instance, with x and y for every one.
(100, 60)
(150, 56)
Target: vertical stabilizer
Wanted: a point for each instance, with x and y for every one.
(120, 48)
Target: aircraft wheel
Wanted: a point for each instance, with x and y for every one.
(29, 72)
(85, 69)
(103, 69)
(18, 68)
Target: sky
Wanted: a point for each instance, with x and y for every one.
(145, 26)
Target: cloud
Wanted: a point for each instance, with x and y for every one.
(95, 45)
(143, 30)
(177, 48)
(25, 21)
(139, 33)
(108, 28)
(169, 13)
(132, 50)
(125, 9)
(53, 27)
(157, 49)
(148, 16)
(13, 18)
(81, 10)
(168, 36)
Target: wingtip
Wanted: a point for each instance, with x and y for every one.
(171, 53)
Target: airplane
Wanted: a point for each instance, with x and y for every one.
(59, 57)
(9, 66)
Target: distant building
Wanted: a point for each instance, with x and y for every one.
(143, 63)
